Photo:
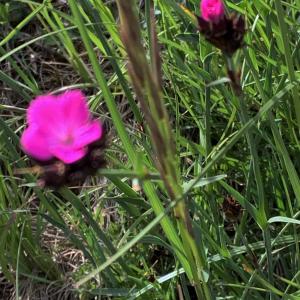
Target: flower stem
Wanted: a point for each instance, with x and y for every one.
(284, 35)
(237, 89)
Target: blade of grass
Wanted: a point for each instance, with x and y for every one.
(110, 102)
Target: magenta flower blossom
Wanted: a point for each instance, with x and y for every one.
(60, 127)
(212, 10)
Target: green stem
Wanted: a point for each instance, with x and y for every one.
(193, 252)
(257, 173)
(288, 56)
(253, 150)
(208, 148)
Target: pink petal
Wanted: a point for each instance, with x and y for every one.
(45, 112)
(74, 108)
(40, 107)
(68, 154)
(35, 144)
(212, 10)
(60, 126)
(88, 134)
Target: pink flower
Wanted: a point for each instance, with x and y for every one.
(60, 127)
(212, 10)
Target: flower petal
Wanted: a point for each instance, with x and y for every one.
(60, 126)
(88, 134)
(34, 143)
(212, 10)
(45, 113)
(68, 154)
(41, 108)
(74, 108)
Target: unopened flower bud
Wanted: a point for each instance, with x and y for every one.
(225, 32)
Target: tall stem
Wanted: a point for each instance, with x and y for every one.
(147, 82)
(284, 35)
(237, 89)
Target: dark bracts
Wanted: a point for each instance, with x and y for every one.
(227, 34)
(55, 173)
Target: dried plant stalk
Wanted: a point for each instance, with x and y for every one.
(147, 82)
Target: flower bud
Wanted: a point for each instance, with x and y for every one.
(227, 34)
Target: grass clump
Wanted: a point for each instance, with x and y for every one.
(199, 198)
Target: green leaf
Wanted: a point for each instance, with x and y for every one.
(283, 220)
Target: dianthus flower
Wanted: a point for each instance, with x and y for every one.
(63, 139)
(60, 127)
